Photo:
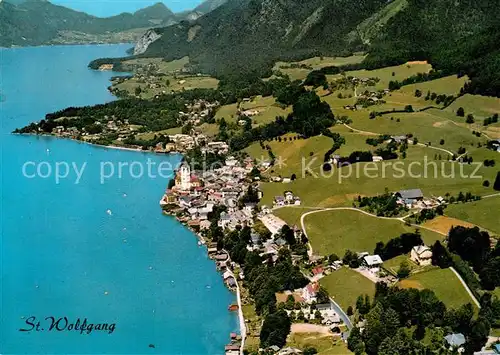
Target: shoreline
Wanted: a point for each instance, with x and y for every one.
(66, 44)
(202, 240)
(114, 147)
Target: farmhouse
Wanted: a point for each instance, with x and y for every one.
(495, 145)
(409, 197)
(372, 261)
(309, 293)
(421, 254)
(455, 340)
(398, 139)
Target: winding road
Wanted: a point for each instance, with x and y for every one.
(337, 308)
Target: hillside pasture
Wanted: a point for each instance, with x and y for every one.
(298, 73)
(427, 126)
(335, 232)
(480, 106)
(482, 213)
(449, 85)
(444, 283)
(388, 74)
(267, 107)
(341, 186)
(291, 152)
(345, 285)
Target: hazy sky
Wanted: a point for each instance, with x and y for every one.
(105, 8)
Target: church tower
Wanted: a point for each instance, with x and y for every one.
(185, 174)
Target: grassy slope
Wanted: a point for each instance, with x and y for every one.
(371, 26)
(481, 213)
(444, 283)
(337, 231)
(368, 179)
(430, 126)
(267, 107)
(315, 63)
(479, 106)
(449, 85)
(324, 344)
(345, 285)
(385, 75)
(292, 153)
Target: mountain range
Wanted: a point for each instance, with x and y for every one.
(245, 37)
(249, 34)
(37, 22)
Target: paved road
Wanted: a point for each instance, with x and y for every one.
(466, 287)
(341, 314)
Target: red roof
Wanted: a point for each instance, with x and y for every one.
(313, 288)
(317, 270)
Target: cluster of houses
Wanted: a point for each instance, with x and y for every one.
(306, 297)
(420, 255)
(178, 143)
(198, 111)
(287, 199)
(194, 195)
(113, 126)
(414, 198)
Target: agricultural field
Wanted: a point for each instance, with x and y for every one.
(325, 344)
(479, 106)
(345, 285)
(267, 109)
(443, 224)
(290, 153)
(444, 283)
(314, 63)
(449, 85)
(392, 265)
(294, 151)
(163, 66)
(388, 74)
(428, 126)
(335, 232)
(150, 135)
(481, 213)
(341, 186)
(166, 84)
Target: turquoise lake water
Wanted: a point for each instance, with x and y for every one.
(63, 254)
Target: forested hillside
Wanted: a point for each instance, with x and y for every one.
(248, 35)
(36, 22)
(456, 36)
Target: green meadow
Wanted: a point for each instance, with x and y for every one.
(444, 283)
(483, 213)
(335, 232)
(345, 285)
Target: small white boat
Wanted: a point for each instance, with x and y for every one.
(109, 212)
